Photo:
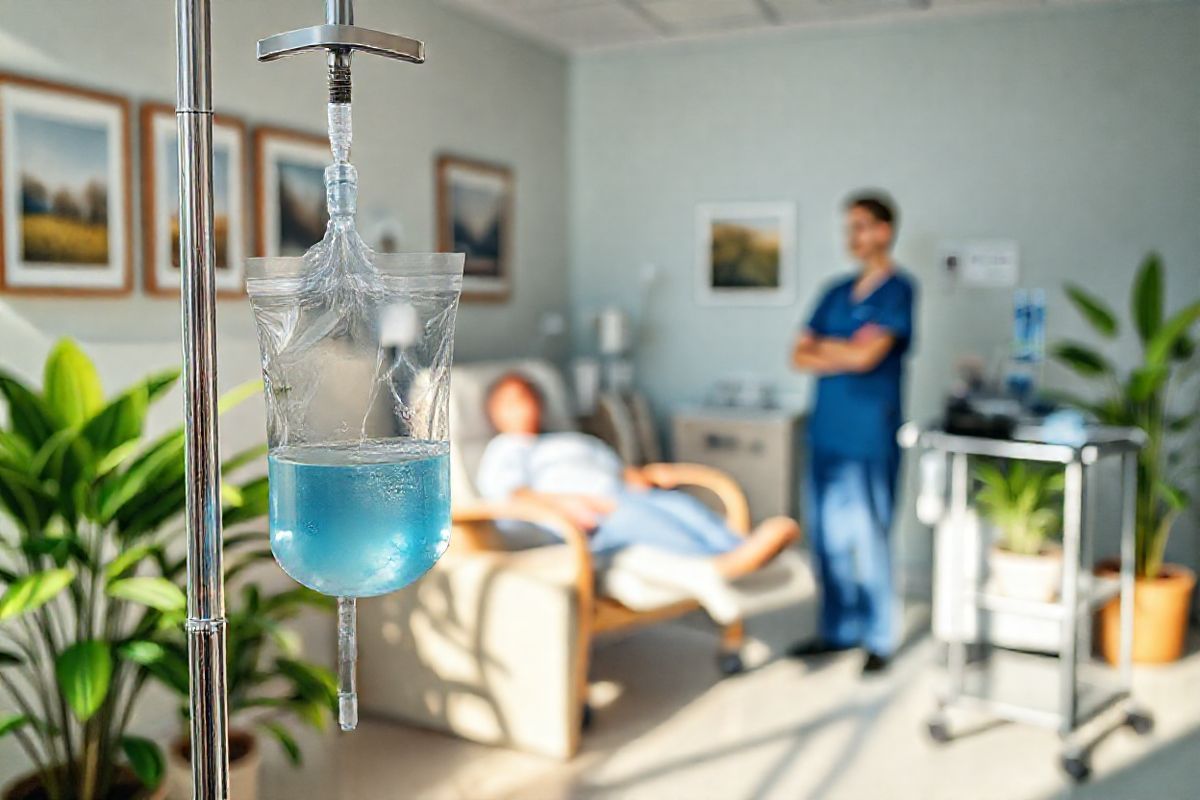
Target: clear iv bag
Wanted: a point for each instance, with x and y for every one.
(356, 375)
(356, 353)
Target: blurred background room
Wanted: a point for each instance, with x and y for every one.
(657, 200)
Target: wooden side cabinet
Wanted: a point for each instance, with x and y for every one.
(760, 448)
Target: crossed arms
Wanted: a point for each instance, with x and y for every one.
(829, 355)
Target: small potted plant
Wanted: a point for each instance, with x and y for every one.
(1141, 398)
(269, 686)
(1021, 502)
(91, 574)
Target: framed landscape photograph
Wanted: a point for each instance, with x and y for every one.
(289, 190)
(64, 189)
(746, 254)
(160, 202)
(475, 207)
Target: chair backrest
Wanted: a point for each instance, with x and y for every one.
(470, 429)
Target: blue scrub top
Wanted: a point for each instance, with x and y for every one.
(856, 415)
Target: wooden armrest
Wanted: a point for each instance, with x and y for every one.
(526, 510)
(733, 499)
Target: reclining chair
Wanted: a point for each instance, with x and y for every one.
(494, 643)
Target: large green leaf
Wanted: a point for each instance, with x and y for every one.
(60, 547)
(1147, 298)
(65, 461)
(256, 502)
(168, 665)
(157, 593)
(34, 591)
(290, 747)
(163, 458)
(25, 500)
(1145, 381)
(1094, 310)
(14, 450)
(84, 671)
(31, 418)
(1161, 347)
(122, 420)
(310, 681)
(1082, 359)
(145, 759)
(13, 723)
(71, 384)
(128, 559)
(238, 395)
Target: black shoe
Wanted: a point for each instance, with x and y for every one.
(815, 647)
(874, 664)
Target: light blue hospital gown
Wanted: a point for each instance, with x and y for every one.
(574, 463)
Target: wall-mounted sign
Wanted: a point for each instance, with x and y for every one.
(981, 263)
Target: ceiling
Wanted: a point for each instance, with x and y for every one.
(582, 25)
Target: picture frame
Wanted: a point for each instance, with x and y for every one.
(746, 254)
(475, 216)
(160, 202)
(289, 190)
(65, 190)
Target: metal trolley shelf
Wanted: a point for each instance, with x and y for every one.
(1067, 691)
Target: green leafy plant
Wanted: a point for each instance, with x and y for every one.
(92, 569)
(268, 684)
(1141, 398)
(1022, 503)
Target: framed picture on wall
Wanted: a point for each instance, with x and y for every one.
(64, 189)
(160, 202)
(289, 190)
(475, 209)
(746, 254)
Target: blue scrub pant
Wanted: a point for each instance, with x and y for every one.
(671, 521)
(849, 516)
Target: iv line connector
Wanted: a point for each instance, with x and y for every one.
(339, 78)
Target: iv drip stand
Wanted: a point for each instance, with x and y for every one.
(205, 582)
(339, 37)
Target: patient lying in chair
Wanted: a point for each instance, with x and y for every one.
(619, 506)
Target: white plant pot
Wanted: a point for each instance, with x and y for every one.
(1027, 577)
(243, 769)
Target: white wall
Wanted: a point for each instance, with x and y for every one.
(1074, 131)
(483, 94)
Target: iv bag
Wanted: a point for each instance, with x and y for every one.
(356, 354)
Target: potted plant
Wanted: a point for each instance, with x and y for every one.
(90, 574)
(1022, 504)
(268, 685)
(1140, 398)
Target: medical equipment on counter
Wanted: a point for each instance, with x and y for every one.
(1068, 690)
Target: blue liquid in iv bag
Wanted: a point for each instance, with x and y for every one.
(360, 520)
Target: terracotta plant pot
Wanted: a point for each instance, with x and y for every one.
(1161, 607)
(245, 758)
(126, 786)
(1026, 577)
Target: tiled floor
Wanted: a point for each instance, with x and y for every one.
(667, 727)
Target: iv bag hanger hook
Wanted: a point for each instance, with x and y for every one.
(340, 38)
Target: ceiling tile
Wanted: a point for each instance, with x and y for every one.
(684, 15)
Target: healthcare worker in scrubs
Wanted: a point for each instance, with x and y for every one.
(855, 343)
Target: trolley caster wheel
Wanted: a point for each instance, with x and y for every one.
(587, 717)
(1077, 768)
(730, 664)
(1139, 722)
(938, 732)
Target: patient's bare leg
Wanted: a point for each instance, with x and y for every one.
(763, 544)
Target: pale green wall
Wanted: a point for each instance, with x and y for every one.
(1075, 132)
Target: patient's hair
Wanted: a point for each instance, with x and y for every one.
(876, 203)
(507, 379)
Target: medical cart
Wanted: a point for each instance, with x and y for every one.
(1068, 690)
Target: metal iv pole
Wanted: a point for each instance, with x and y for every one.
(338, 37)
